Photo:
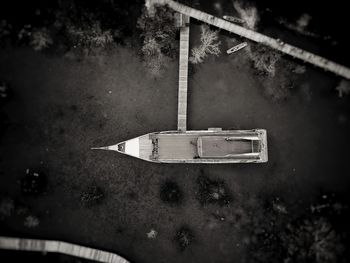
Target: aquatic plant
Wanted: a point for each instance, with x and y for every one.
(91, 196)
(33, 182)
(212, 191)
(171, 193)
(158, 35)
(343, 88)
(248, 13)
(40, 39)
(264, 59)
(209, 45)
(31, 221)
(184, 237)
(7, 207)
(312, 240)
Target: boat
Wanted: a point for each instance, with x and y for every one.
(234, 19)
(203, 146)
(236, 48)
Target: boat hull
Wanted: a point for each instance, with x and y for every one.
(212, 146)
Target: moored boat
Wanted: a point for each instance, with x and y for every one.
(204, 146)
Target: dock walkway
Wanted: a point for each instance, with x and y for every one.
(258, 37)
(39, 245)
(183, 73)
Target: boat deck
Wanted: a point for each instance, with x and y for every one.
(177, 146)
(145, 147)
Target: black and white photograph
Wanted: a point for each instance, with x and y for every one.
(174, 131)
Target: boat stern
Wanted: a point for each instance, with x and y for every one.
(263, 144)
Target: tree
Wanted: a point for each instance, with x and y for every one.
(248, 13)
(89, 38)
(40, 39)
(264, 59)
(209, 45)
(158, 35)
(312, 240)
(153, 57)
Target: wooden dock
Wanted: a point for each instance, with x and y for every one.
(183, 73)
(39, 245)
(258, 37)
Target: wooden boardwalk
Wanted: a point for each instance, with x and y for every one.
(183, 73)
(258, 37)
(39, 245)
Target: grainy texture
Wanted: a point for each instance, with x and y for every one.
(259, 38)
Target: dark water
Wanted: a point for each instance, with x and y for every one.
(328, 19)
(308, 144)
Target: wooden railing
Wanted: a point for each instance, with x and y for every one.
(39, 245)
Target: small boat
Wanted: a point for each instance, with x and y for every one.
(236, 48)
(234, 19)
(205, 146)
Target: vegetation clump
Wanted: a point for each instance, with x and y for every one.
(212, 191)
(171, 193)
(312, 240)
(91, 196)
(89, 39)
(263, 58)
(343, 88)
(248, 13)
(209, 45)
(41, 39)
(158, 34)
(73, 27)
(184, 237)
(279, 235)
(33, 183)
(31, 221)
(5, 92)
(7, 207)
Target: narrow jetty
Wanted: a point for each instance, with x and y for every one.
(39, 245)
(183, 73)
(258, 37)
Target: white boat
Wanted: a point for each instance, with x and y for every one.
(205, 146)
(236, 48)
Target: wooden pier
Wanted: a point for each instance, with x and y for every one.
(39, 245)
(258, 37)
(183, 73)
